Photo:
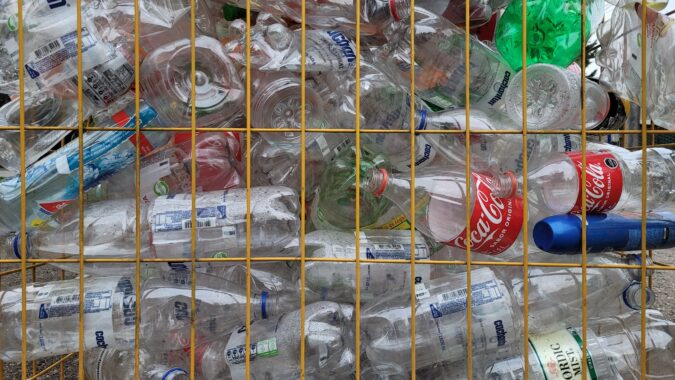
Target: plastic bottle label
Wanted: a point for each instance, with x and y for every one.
(329, 51)
(51, 55)
(58, 303)
(455, 301)
(235, 351)
(106, 82)
(559, 355)
(604, 181)
(177, 220)
(495, 222)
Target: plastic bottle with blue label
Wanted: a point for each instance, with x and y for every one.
(52, 312)
(440, 318)
(53, 182)
(221, 222)
(166, 307)
(613, 351)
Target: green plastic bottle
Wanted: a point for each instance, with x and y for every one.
(553, 32)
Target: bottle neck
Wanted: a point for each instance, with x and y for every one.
(506, 185)
(376, 181)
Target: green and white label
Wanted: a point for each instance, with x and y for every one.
(560, 356)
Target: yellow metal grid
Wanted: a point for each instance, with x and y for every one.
(27, 264)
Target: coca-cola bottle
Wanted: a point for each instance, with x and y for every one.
(613, 181)
(440, 205)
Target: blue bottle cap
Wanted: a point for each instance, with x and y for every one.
(558, 234)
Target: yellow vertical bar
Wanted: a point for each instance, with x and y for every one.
(137, 86)
(303, 173)
(248, 190)
(357, 205)
(526, 256)
(22, 151)
(643, 141)
(413, 301)
(193, 190)
(468, 179)
(584, 285)
(80, 171)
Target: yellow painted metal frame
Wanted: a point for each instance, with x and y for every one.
(27, 264)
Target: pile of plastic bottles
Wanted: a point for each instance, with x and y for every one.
(503, 204)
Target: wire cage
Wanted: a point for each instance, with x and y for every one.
(29, 269)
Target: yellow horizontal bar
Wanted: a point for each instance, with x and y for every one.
(657, 266)
(348, 130)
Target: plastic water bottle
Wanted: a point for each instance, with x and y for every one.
(166, 307)
(440, 201)
(441, 334)
(554, 99)
(620, 58)
(221, 222)
(275, 47)
(439, 64)
(613, 346)
(440, 320)
(375, 14)
(52, 183)
(109, 232)
(613, 182)
(275, 346)
(166, 84)
(9, 48)
(554, 295)
(41, 109)
(337, 281)
(53, 317)
(110, 364)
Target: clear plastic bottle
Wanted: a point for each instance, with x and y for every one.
(166, 84)
(440, 201)
(52, 183)
(614, 351)
(166, 307)
(613, 181)
(275, 47)
(333, 14)
(554, 99)
(110, 364)
(41, 109)
(50, 56)
(439, 65)
(52, 312)
(440, 319)
(620, 58)
(221, 222)
(275, 346)
(168, 170)
(554, 295)
(109, 232)
(337, 282)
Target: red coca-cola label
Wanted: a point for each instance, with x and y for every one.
(604, 181)
(495, 222)
(50, 208)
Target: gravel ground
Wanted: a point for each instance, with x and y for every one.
(663, 284)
